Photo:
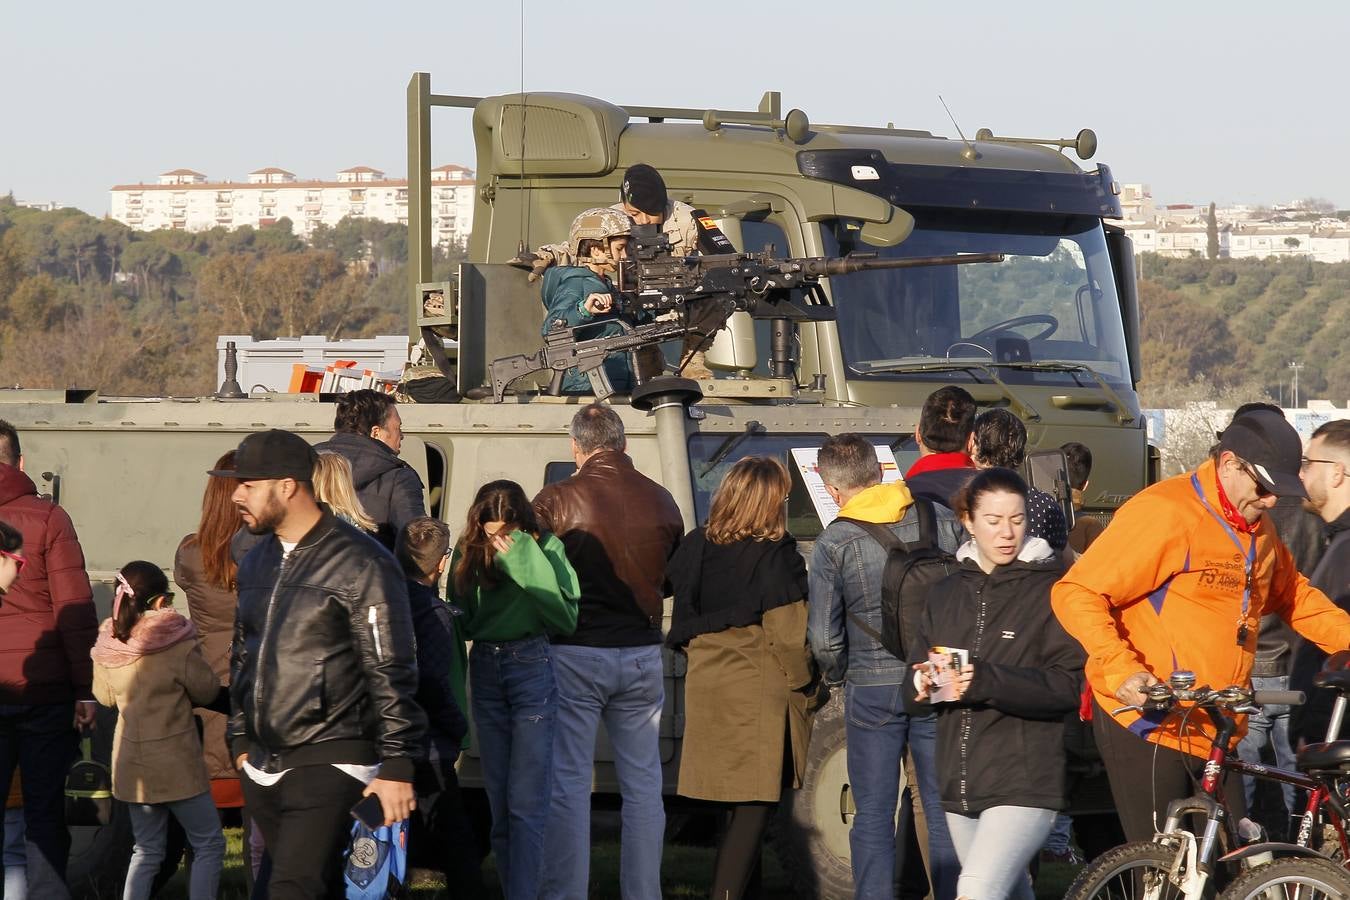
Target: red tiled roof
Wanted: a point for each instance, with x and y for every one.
(183, 172)
(362, 170)
(271, 170)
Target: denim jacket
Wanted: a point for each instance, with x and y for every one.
(846, 569)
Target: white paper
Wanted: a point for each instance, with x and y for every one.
(804, 458)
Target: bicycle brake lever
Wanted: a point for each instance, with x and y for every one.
(1116, 712)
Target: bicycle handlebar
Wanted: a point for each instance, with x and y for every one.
(1162, 696)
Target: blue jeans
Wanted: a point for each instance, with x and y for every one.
(40, 741)
(1269, 727)
(149, 825)
(15, 857)
(995, 849)
(623, 687)
(515, 700)
(878, 730)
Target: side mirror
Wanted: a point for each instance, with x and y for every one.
(890, 232)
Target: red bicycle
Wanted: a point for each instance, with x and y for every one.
(1183, 863)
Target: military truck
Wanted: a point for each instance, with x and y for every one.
(1051, 332)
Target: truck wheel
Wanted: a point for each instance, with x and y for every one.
(811, 832)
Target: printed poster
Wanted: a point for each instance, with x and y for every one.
(804, 458)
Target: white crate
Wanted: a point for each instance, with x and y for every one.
(267, 364)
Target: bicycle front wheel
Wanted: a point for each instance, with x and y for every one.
(1302, 878)
(1136, 871)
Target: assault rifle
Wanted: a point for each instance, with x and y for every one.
(563, 350)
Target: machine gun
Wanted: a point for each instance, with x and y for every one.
(696, 295)
(563, 350)
(654, 280)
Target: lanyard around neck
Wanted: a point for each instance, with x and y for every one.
(1248, 553)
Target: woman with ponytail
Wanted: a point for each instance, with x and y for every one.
(148, 665)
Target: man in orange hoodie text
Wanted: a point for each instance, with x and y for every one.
(1180, 580)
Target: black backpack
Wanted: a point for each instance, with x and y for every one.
(911, 569)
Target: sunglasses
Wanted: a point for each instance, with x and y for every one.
(19, 561)
(1261, 492)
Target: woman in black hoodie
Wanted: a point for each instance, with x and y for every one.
(1000, 741)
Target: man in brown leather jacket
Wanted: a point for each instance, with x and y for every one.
(619, 528)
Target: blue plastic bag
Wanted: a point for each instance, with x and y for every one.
(377, 862)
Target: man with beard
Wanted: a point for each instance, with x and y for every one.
(1326, 476)
(322, 670)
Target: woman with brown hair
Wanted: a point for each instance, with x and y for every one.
(204, 568)
(516, 588)
(740, 616)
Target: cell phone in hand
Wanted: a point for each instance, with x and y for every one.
(370, 811)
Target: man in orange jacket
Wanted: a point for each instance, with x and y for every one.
(1180, 580)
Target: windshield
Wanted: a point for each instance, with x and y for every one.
(711, 456)
(1051, 301)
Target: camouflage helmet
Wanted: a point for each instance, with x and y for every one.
(597, 224)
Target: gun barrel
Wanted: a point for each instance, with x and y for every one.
(847, 265)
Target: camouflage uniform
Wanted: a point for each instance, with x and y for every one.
(678, 225)
(680, 228)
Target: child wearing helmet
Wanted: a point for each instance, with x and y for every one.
(583, 294)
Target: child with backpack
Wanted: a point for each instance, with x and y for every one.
(148, 664)
(441, 834)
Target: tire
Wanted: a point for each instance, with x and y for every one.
(1139, 869)
(810, 835)
(1313, 879)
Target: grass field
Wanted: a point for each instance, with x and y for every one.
(685, 872)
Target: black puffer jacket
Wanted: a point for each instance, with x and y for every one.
(323, 665)
(1002, 744)
(389, 488)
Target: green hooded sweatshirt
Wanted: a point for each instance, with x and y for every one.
(536, 593)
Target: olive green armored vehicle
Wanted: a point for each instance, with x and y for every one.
(1050, 332)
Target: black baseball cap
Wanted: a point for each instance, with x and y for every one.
(644, 188)
(265, 455)
(1266, 441)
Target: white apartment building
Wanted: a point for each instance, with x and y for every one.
(188, 200)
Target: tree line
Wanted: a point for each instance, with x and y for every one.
(88, 302)
(1238, 323)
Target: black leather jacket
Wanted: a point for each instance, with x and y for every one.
(323, 666)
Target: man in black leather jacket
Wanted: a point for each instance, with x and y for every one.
(322, 671)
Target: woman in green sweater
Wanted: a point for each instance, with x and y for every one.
(516, 588)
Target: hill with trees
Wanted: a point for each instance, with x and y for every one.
(1238, 323)
(87, 302)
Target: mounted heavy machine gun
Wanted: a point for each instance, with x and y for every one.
(696, 295)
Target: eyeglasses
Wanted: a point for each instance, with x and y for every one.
(1305, 462)
(19, 561)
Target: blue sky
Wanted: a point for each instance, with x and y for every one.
(1232, 102)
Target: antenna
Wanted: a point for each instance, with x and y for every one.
(524, 115)
(970, 152)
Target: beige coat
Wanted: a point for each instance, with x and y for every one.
(746, 710)
(157, 756)
(212, 611)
